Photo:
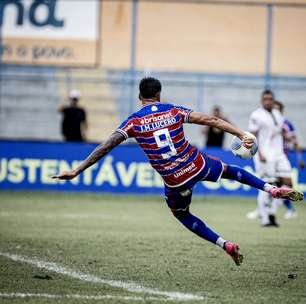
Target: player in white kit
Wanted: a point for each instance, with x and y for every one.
(271, 163)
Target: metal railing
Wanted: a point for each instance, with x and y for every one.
(30, 96)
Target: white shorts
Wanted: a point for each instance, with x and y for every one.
(274, 168)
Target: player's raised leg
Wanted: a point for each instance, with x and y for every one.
(239, 174)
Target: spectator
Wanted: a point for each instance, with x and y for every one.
(214, 136)
(74, 124)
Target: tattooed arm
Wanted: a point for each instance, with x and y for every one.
(114, 140)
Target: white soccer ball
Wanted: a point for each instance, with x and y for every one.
(238, 149)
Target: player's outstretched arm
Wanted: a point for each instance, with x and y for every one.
(213, 121)
(114, 140)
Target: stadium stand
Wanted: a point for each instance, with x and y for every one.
(226, 64)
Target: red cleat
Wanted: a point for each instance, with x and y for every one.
(287, 193)
(232, 249)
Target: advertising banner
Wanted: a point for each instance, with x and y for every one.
(50, 32)
(29, 165)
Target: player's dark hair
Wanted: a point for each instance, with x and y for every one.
(267, 92)
(149, 87)
(280, 104)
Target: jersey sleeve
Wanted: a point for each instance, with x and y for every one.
(126, 128)
(184, 112)
(254, 123)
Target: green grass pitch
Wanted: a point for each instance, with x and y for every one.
(136, 239)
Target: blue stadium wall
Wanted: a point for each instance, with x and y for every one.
(29, 165)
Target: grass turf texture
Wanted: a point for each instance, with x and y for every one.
(137, 239)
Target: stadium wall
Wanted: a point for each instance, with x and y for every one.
(30, 165)
(210, 36)
(244, 37)
(206, 53)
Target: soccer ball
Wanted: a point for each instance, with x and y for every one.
(238, 149)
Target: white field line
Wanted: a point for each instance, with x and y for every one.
(129, 286)
(79, 297)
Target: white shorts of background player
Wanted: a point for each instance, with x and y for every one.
(270, 171)
(273, 168)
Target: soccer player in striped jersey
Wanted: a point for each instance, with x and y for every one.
(158, 129)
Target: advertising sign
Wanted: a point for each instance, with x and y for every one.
(29, 165)
(50, 32)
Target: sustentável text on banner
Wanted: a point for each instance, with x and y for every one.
(30, 165)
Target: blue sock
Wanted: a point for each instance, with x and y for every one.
(288, 205)
(243, 176)
(196, 226)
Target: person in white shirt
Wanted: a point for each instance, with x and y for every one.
(271, 163)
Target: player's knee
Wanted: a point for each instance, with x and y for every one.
(181, 214)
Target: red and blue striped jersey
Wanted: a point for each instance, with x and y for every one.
(158, 129)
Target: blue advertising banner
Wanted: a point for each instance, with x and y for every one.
(29, 165)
